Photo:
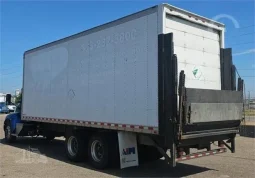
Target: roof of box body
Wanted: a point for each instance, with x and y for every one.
(123, 20)
(190, 14)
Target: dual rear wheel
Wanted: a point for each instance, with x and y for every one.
(100, 149)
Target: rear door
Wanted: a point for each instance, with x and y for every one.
(198, 51)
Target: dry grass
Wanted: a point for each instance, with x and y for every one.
(250, 112)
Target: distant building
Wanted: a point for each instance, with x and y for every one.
(250, 103)
(6, 97)
(17, 92)
(2, 97)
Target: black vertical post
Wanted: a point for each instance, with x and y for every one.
(168, 78)
(167, 91)
(173, 154)
(180, 120)
(226, 69)
(175, 83)
(222, 68)
(240, 84)
(233, 77)
(167, 73)
(233, 145)
(161, 119)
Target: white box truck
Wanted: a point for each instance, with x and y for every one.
(131, 89)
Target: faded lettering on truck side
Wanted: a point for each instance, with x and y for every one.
(112, 39)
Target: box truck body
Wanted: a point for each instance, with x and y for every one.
(160, 77)
(110, 74)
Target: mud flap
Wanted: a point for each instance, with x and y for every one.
(127, 149)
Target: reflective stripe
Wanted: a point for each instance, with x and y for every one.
(135, 128)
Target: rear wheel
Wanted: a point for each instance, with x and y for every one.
(7, 133)
(103, 150)
(75, 148)
(98, 152)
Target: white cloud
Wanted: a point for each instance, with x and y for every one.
(245, 52)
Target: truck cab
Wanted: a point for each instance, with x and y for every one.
(11, 120)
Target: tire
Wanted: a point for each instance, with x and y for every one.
(75, 148)
(7, 133)
(103, 150)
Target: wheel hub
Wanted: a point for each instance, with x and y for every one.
(72, 146)
(8, 132)
(97, 150)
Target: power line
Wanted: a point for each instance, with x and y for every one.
(15, 66)
(11, 63)
(247, 26)
(244, 34)
(5, 78)
(238, 44)
(237, 72)
(14, 86)
(4, 74)
(239, 29)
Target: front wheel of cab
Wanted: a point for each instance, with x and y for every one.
(9, 138)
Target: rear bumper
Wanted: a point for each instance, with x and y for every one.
(210, 133)
(205, 133)
(201, 154)
(204, 127)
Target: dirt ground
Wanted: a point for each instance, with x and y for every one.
(36, 157)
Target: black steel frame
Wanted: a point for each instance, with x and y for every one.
(167, 94)
(172, 119)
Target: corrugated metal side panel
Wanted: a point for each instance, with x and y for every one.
(109, 76)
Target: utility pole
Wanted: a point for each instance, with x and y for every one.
(249, 99)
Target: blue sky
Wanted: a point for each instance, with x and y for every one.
(27, 24)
